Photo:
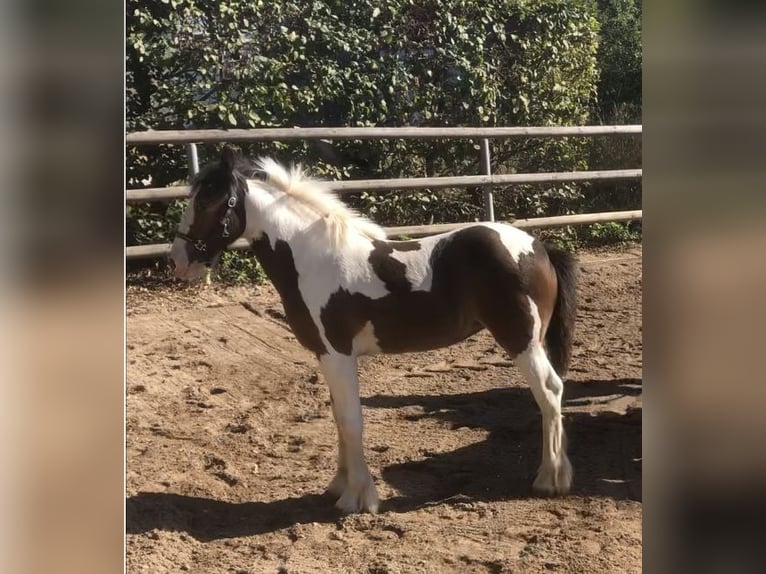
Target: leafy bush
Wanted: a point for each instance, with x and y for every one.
(239, 267)
(610, 232)
(252, 63)
(154, 223)
(620, 57)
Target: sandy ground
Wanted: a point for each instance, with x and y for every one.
(230, 444)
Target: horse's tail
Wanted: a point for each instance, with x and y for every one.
(560, 335)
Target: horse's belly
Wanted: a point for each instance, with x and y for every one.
(395, 323)
(419, 330)
(410, 343)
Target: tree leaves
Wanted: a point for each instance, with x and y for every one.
(248, 63)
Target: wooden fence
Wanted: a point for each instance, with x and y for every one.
(487, 180)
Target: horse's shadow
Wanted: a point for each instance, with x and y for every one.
(604, 447)
(206, 519)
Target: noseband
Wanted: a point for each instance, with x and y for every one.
(201, 244)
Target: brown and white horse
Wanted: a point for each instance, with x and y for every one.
(348, 291)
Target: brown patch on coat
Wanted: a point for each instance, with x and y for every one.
(403, 322)
(391, 271)
(279, 266)
(476, 283)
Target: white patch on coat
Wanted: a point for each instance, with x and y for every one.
(178, 254)
(365, 342)
(536, 323)
(517, 241)
(187, 218)
(418, 269)
(322, 272)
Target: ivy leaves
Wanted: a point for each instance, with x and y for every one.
(313, 62)
(251, 63)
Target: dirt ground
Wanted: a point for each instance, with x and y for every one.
(230, 444)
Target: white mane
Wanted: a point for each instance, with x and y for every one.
(320, 201)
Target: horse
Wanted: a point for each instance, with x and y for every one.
(349, 291)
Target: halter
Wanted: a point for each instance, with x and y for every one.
(201, 244)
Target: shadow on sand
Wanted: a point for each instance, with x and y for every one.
(604, 447)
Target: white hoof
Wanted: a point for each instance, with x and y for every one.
(361, 498)
(554, 479)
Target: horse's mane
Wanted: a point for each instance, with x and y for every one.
(304, 191)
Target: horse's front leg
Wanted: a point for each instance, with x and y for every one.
(353, 482)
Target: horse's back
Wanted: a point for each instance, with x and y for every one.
(480, 256)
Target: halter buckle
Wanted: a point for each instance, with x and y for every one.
(225, 222)
(232, 201)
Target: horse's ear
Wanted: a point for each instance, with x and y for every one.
(229, 158)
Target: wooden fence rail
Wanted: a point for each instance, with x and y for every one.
(162, 250)
(487, 180)
(155, 137)
(341, 187)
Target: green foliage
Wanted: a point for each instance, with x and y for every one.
(611, 232)
(593, 235)
(620, 58)
(251, 63)
(238, 267)
(418, 206)
(619, 102)
(153, 223)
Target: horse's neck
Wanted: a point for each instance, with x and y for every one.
(282, 240)
(272, 216)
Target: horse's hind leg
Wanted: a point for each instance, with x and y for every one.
(555, 473)
(353, 483)
(516, 327)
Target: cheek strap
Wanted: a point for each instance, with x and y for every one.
(201, 244)
(227, 216)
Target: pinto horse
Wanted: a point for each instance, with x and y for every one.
(348, 291)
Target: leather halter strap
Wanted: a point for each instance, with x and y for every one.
(201, 244)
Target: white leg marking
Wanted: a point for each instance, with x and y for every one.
(353, 482)
(555, 473)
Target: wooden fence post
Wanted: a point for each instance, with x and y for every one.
(193, 162)
(191, 159)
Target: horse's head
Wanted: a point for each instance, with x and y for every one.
(214, 218)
